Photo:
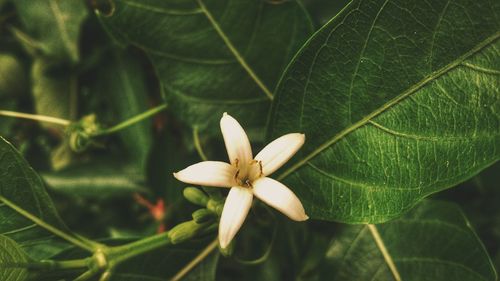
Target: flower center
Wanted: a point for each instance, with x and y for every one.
(248, 172)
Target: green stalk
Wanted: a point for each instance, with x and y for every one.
(35, 117)
(131, 121)
(119, 254)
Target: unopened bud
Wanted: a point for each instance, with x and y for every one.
(195, 196)
(202, 215)
(184, 231)
(215, 206)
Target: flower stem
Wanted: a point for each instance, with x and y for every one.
(62, 265)
(119, 254)
(36, 117)
(132, 121)
(193, 263)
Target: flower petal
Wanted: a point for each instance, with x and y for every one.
(278, 196)
(236, 140)
(275, 154)
(238, 203)
(208, 173)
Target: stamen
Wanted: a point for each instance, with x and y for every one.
(236, 175)
(260, 167)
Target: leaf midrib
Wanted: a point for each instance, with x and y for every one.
(62, 30)
(411, 90)
(235, 51)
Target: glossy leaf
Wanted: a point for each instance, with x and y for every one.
(13, 261)
(55, 24)
(432, 242)
(22, 186)
(213, 56)
(398, 100)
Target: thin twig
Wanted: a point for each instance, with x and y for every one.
(36, 117)
(193, 263)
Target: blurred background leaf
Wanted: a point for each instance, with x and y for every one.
(55, 24)
(188, 44)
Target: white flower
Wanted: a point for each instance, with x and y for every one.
(247, 176)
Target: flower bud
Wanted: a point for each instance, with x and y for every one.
(202, 216)
(195, 196)
(215, 206)
(184, 231)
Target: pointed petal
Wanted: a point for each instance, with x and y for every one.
(278, 196)
(236, 208)
(236, 140)
(208, 173)
(275, 154)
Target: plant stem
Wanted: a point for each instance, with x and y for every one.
(387, 257)
(75, 241)
(193, 263)
(119, 254)
(197, 144)
(132, 121)
(63, 265)
(36, 117)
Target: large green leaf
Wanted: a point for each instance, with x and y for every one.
(398, 100)
(211, 55)
(13, 261)
(22, 186)
(55, 24)
(433, 242)
(123, 82)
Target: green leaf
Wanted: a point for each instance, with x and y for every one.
(12, 76)
(398, 100)
(22, 186)
(13, 261)
(213, 56)
(432, 242)
(123, 82)
(55, 24)
(323, 10)
(169, 153)
(96, 179)
(52, 89)
(55, 95)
